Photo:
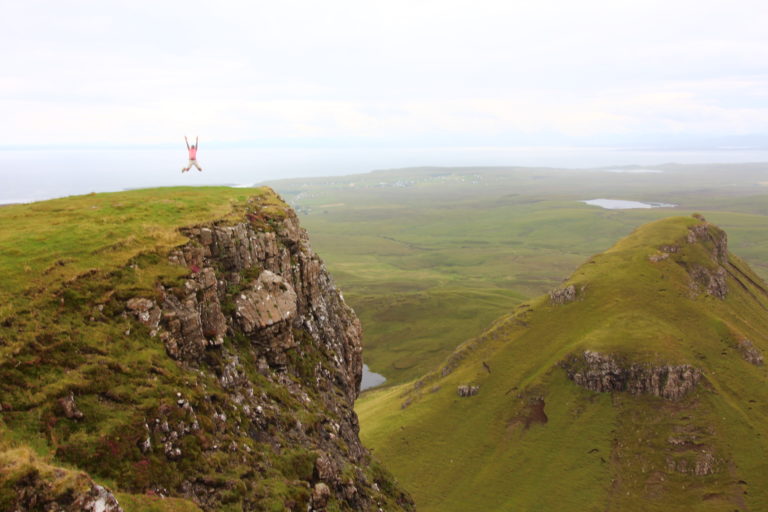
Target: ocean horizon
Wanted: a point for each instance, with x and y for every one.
(28, 175)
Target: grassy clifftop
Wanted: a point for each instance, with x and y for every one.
(637, 384)
(45, 243)
(185, 349)
(47, 251)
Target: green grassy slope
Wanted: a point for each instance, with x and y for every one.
(595, 451)
(430, 257)
(55, 257)
(49, 242)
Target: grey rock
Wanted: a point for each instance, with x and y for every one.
(145, 311)
(325, 468)
(712, 281)
(269, 300)
(713, 238)
(321, 493)
(749, 352)
(69, 407)
(98, 499)
(467, 390)
(563, 295)
(604, 373)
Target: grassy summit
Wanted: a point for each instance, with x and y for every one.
(665, 312)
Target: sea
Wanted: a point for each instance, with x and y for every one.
(32, 175)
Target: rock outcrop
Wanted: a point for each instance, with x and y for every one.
(714, 238)
(711, 281)
(270, 283)
(750, 352)
(38, 486)
(664, 252)
(710, 278)
(259, 301)
(467, 390)
(605, 373)
(563, 295)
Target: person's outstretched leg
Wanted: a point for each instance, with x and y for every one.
(197, 165)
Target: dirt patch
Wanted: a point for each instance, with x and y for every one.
(533, 413)
(536, 413)
(654, 485)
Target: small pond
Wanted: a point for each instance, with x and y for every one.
(621, 204)
(370, 379)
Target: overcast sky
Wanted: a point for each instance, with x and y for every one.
(391, 72)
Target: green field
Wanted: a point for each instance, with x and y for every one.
(430, 257)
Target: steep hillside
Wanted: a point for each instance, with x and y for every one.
(638, 384)
(177, 349)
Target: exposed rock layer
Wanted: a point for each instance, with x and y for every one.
(604, 373)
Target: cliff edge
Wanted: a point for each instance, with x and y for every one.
(218, 373)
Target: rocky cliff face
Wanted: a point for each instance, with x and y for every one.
(711, 276)
(256, 410)
(272, 294)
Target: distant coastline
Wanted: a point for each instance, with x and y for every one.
(30, 174)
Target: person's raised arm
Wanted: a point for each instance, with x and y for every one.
(197, 144)
(187, 142)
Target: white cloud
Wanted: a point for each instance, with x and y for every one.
(86, 72)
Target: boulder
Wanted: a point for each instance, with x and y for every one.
(467, 390)
(269, 300)
(563, 295)
(321, 493)
(749, 352)
(69, 407)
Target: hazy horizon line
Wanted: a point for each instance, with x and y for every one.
(340, 145)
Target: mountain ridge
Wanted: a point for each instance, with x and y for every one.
(666, 322)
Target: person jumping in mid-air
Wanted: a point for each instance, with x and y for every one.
(192, 155)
